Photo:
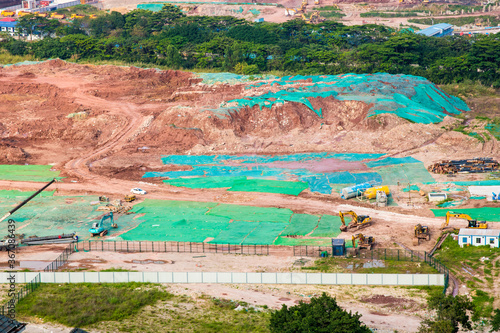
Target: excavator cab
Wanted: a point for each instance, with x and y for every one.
(98, 227)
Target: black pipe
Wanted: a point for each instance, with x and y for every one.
(31, 197)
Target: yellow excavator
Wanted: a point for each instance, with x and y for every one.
(358, 221)
(364, 242)
(421, 232)
(472, 224)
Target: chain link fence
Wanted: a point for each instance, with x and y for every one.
(182, 247)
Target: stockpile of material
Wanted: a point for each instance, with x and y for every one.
(475, 165)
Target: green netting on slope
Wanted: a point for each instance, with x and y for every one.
(413, 173)
(392, 161)
(230, 78)
(264, 233)
(490, 214)
(29, 173)
(269, 186)
(410, 97)
(301, 224)
(254, 11)
(52, 215)
(285, 241)
(328, 226)
(204, 182)
(24, 195)
(252, 214)
(494, 129)
(236, 232)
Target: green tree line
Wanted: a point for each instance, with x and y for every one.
(224, 43)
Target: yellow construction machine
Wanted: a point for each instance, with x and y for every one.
(364, 242)
(421, 232)
(358, 221)
(315, 18)
(129, 198)
(302, 8)
(472, 224)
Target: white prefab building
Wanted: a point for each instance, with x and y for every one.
(479, 237)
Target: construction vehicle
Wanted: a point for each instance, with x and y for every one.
(421, 232)
(93, 16)
(316, 2)
(8, 13)
(472, 224)
(364, 242)
(98, 227)
(22, 13)
(302, 9)
(103, 198)
(305, 19)
(41, 14)
(58, 16)
(77, 16)
(129, 198)
(315, 18)
(358, 221)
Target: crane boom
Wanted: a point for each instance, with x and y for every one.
(13, 210)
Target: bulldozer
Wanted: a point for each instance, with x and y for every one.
(98, 227)
(421, 232)
(129, 198)
(358, 221)
(364, 242)
(472, 224)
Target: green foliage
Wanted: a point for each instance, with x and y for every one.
(322, 314)
(495, 321)
(168, 38)
(483, 305)
(451, 314)
(84, 304)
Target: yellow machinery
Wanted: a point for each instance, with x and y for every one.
(315, 18)
(77, 16)
(7, 13)
(93, 16)
(364, 242)
(472, 224)
(302, 8)
(41, 14)
(358, 221)
(421, 232)
(130, 198)
(22, 13)
(371, 193)
(58, 16)
(316, 2)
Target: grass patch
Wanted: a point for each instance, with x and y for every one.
(117, 270)
(483, 304)
(452, 255)
(6, 58)
(84, 304)
(356, 265)
(468, 88)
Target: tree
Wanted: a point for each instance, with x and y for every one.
(495, 322)
(321, 315)
(450, 312)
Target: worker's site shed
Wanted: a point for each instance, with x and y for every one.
(338, 247)
(437, 30)
(479, 237)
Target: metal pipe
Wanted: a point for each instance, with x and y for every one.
(26, 201)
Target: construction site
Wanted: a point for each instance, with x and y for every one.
(144, 170)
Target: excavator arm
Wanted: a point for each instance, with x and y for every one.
(342, 219)
(471, 222)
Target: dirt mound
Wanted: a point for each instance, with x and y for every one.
(10, 154)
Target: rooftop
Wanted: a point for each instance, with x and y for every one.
(479, 232)
(435, 29)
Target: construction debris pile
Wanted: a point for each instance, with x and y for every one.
(475, 165)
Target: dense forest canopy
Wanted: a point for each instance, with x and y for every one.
(170, 38)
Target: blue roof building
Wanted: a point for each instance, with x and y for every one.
(8, 27)
(437, 30)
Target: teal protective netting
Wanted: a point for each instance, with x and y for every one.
(410, 97)
(289, 174)
(494, 129)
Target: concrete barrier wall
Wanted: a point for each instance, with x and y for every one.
(230, 277)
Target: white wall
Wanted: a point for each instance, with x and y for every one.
(231, 277)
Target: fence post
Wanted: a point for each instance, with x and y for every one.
(385, 254)
(152, 246)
